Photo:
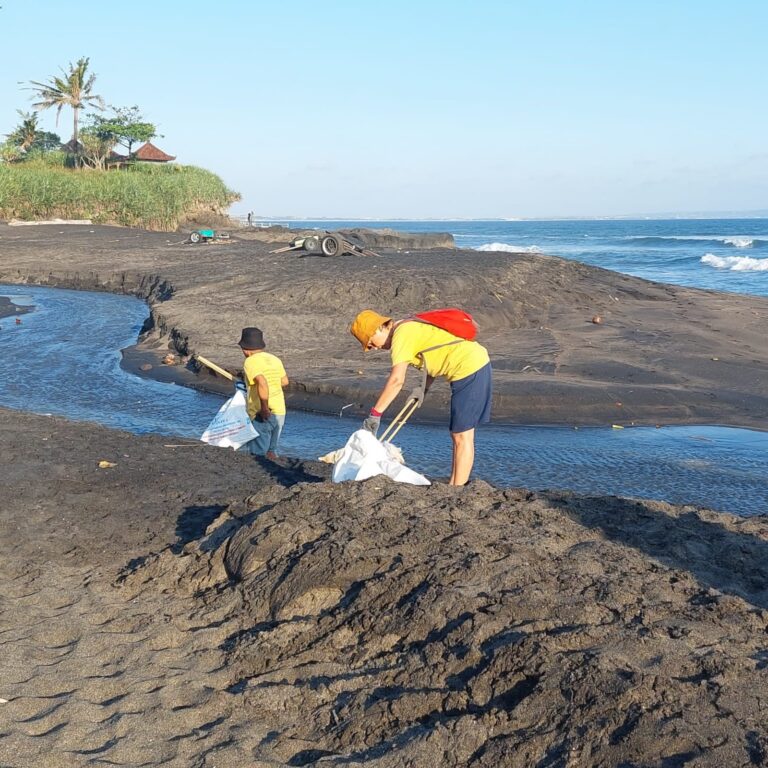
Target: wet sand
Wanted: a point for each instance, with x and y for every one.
(190, 606)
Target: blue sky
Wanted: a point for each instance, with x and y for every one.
(426, 109)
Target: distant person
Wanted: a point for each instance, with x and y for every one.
(465, 364)
(250, 217)
(265, 378)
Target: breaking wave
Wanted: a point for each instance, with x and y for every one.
(509, 248)
(735, 241)
(739, 242)
(735, 263)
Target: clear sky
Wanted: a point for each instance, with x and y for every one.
(413, 109)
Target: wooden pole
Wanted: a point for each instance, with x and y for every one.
(214, 367)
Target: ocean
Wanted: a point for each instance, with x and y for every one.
(718, 254)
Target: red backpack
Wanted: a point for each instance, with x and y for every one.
(455, 321)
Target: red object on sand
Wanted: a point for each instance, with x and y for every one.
(455, 321)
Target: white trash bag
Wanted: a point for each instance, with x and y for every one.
(364, 456)
(231, 426)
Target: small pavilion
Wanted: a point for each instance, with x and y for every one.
(149, 153)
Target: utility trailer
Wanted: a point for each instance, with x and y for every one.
(327, 244)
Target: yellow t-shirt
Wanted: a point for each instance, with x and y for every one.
(271, 368)
(454, 362)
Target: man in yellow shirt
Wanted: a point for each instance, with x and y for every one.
(465, 364)
(265, 377)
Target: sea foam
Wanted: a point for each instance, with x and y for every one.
(509, 248)
(739, 242)
(735, 241)
(735, 263)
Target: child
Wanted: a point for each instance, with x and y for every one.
(265, 377)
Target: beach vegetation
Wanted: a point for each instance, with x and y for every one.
(27, 138)
(41, 178)
(95, 147)
(151, 196)
(100, 135)
(74, 88)
(126, 127)
(10, 153)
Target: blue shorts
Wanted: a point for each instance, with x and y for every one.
(471, 400)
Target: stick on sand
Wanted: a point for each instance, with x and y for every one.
(214, 367)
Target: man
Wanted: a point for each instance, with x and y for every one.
(265, 377)
(465, 364)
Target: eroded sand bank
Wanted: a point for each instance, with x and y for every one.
(662, 354)
(190, 606)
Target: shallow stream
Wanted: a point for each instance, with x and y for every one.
(64, 359)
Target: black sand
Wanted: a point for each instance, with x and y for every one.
(661, 355)
(189, 606)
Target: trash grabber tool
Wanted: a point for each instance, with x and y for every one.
(399, 421)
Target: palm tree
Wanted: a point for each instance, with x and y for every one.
(72, 90)
(26, 132)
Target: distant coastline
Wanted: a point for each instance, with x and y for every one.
(759, 214)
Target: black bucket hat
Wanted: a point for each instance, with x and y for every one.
(251, 338)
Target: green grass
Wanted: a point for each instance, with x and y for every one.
(147, 196)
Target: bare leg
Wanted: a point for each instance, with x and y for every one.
(463, 456)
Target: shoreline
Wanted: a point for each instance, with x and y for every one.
(663, 354)
(135, 356)
(170, 602)
(330, 405)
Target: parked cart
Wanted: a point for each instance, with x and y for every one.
(207, 236)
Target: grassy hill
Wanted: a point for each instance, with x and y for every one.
(155, 197)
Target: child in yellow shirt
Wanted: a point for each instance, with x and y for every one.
(265, 378)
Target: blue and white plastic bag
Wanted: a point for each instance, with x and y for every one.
(231, 426)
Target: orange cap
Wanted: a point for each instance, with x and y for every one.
(366, 324)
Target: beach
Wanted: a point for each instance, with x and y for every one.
(169, 603)
(660, 354)
(192, 606)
